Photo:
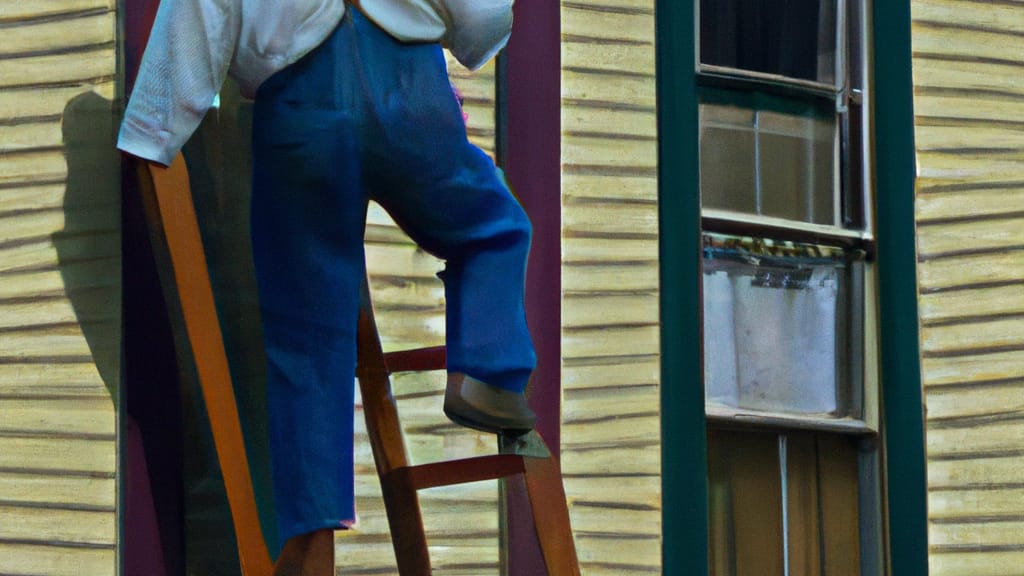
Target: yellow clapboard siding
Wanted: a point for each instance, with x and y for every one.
(91, 416)
(36, 314)
(969, 270)
(984, 235)
(470, 557)
(936, 72)
(51, 489)
(612, 276)
(610, 345)
(622, 89)
(581, 21)
(32, 197)
(402, 260)
(644, 551)
(58, 449)
(960, 369)
(40, 35)
(980, 302)
(54, 525)
(947, 39)
(611, 119)
(609, 402)
(951, 504)
(98, 276)
(609, 57)
(611, 152)
(625, 219)
(34, 167)
(609, 310)
(947, 137)
(998, 435)
(993, 334)
(974, 402)
(84, 66)
(610, 341)
(968, 167)
(979, 471)
(634, 491)
(976, 564)
(58, 455)
(603, 519)
(581, 250)
(993, 15)
(98, 220)
(36, 8)
(644, 370)
(970, 203)
(46, 101)
(30, 135)
(82, 379)
(980, 533)
(20, 558)
(54, 343)
(621, 188)
(615, 446)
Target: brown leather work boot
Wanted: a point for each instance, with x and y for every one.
(478, 405)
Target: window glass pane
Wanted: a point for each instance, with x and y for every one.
(766, 162)
(727, 156)
(745, 504)
(794, 38)
(803, 527)
(773, 332)
(838, 476)
(796, 159)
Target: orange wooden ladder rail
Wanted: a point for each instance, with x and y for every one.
(171, 216)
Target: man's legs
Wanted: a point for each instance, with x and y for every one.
(308, 215)
(451, 199)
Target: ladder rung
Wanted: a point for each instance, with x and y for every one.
(415, 360)
(460, 471)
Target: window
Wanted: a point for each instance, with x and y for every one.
(789, 370)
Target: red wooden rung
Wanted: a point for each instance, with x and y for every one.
(416, 360)
(460, 471)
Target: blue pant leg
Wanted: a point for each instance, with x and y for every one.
(450, 198)
(308, 213)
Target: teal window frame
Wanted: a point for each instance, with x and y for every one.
(684, 433)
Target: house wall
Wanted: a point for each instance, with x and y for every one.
(59, 288)
(611, 449)
(969, 101)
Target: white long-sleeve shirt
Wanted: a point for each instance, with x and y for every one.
(195, 44)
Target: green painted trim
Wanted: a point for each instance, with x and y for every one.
(810, 106)
(684, 434)
(903, 425)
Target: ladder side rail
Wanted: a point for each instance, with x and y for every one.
(170, 214)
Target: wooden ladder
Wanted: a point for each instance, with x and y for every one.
(170, 214)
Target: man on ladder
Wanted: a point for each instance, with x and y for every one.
(352, 103)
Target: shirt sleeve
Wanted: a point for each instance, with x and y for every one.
(479, 29)
(184, 65)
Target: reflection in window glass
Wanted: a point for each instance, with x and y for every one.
(768, 163)
(793, 38)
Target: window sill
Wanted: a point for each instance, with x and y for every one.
(733, 417)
